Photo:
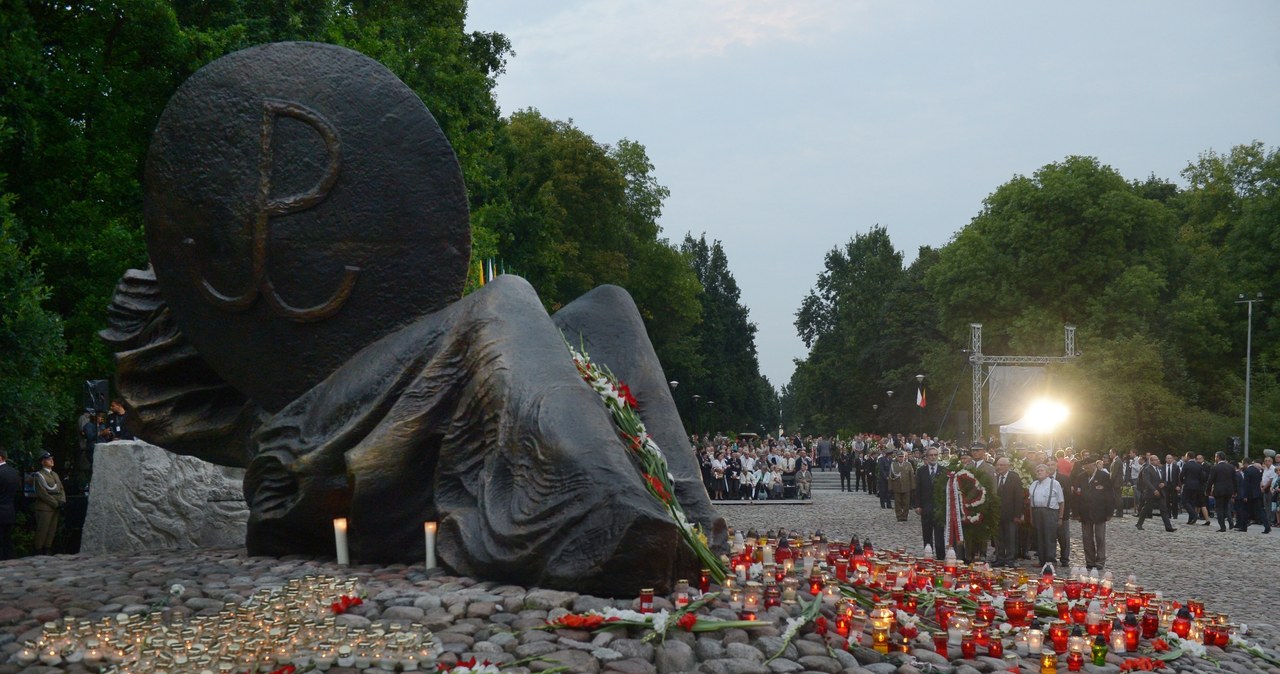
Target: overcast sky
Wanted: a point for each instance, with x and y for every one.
(784, 128)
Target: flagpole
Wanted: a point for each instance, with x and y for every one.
(920, 402)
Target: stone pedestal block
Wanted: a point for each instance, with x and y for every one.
(144, 498)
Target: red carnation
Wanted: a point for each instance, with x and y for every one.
(687, 621)
(820, 625)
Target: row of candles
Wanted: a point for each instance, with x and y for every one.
(344, 551)
(291, 625)
(1105, 620)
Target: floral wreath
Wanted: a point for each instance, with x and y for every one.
(624, 408)
(971, 495)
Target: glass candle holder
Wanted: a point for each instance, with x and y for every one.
(1181, 624)
(968, 647)
(1131, 633)
(1058, 635)
(1015, 609)
(1118, 642)
(1099, 650)
(646, 600)
(1035, 641)
(995, 647)
(940, 643)
(681, 595)
(1150, 624)
(1075, 660)
(1048, 662)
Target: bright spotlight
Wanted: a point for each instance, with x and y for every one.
(1046, 415)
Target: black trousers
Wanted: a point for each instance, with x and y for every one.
(1150, 502)
(933, 531)
(6, 541)
(1222, 504)
(846, 481)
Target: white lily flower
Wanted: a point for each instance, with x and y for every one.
(660, 621)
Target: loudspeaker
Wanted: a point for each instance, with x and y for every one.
(97, 393)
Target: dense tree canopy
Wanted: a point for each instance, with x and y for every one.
(732, 394)
(1147, 271)
(85, 83)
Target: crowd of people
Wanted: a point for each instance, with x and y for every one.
(746, 468)
(1040, 492)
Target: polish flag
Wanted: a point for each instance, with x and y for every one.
(920, 397)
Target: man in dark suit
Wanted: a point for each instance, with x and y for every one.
(1191, 483)
(1171, 475)
(1222, 484)
(1118, 467)
(1152, 486)
(883, 465)
(1251, 509)
(1009, 489)
(10, 488)
(1095, 502)
(932, 523)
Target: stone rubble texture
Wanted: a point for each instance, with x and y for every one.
(145, 498)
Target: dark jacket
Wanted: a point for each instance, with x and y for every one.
(1252, 482)
(1096, 499)
(1222, 480)
(1193, 475)
(922, 497)
(10, 488)
(1011, 496)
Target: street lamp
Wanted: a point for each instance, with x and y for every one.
(711, 403)
(1248, 365)
(697, 415)
(673, 384)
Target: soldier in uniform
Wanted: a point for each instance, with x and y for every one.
(902, 481)
(50, 497)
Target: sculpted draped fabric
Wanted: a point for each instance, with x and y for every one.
(473, 416)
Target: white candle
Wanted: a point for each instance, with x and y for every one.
(430, 528)
(1117, 642)
(340, 540)
(1035, 640)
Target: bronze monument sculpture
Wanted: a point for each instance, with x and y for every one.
(309, 239)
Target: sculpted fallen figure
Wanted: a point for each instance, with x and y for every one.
(388, 409)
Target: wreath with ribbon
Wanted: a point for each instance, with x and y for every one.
(969, 503)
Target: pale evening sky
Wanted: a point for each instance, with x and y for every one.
(784, 128)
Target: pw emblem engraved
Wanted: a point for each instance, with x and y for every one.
(266, 207)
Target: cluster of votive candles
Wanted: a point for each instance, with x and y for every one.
(291, 625)
(1093, 617)
(344, 553)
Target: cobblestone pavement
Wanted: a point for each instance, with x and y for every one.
(1233, 572)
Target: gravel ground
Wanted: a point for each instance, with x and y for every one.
(502, 623)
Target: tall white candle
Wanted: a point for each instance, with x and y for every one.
(340, 540)
(430, 528)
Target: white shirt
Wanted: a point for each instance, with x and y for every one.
(1268, 476)
(1046, 495)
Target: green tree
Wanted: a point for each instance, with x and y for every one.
(31, 340)
(734, 396)
(1077, 243)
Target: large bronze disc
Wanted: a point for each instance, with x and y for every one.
(301, 202)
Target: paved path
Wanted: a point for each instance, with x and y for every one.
(1235, 573)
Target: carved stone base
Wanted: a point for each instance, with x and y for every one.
(144, 498)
